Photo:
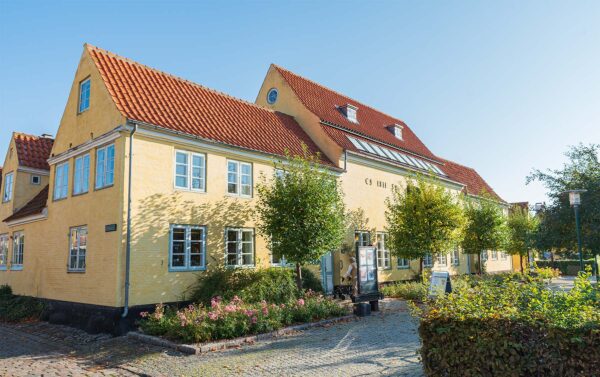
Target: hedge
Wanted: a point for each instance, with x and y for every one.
(566, 267)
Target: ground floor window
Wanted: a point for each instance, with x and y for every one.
(484, 256)
(77, 248)
(18, 249)
(403, 263)
(502, 255)
(383, 253)
(188, 247)
(456, 257)
(239, 247)
(442, 259)
(3, 251)
(428, 260)
(494, 255)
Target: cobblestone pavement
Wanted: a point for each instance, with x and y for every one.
(384, 344)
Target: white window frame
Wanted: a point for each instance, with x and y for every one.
(442, 260)
(428, 260)
(79, 252)
(3, 251)
(359, 238)
(18, 252)
(456, 257)
(383, 253)
(84, 96)
(188, 248)
(503, 255)
(238, 178)
(61, 181)
(103, 174)
(189, 171)
(82, 180)
(7, 193)
(484, 256)
(39, 179)
(494, 254)
(403, 263)
(239, 247)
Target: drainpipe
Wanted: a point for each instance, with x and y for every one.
(128, 240)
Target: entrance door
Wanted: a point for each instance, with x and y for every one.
(327, 272)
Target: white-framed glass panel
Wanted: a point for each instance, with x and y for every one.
(356, 144)
(403, 263)
(187, 247)
(428, 260)
(239, 247)
(190, 171)
(77, 248)
(456, 256)
(35, 179)
(105, 166)
(18, 250)
(484, 256)
(388, 153)
(84, 95)
(494, 255)
(442, 260)
(239, 178)
(81, 180)
(8, 187)
(61, 181)
(3, 251)
(383, 253)
(362, 238)
(503, 255)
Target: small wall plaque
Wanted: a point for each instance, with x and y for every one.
(110, 227)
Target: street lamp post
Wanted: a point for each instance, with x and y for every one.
(575, 201)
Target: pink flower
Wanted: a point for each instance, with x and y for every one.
(215, 301)
(282, 306)
(230, 308)
(213, 316)
(144, 314)
(236, 300)
(254, 320)
(250, 312)
(300, 302)
(265, 310)
(183, 320)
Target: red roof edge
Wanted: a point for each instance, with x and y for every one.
(33, 207)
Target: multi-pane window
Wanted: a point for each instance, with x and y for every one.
(8, 187)
(441, 259)
(383, 253)
(82, 174)
(84, 95)
(455, 257)
(105, 166)
(239, 178)
(61, 181)
(484, 256)
(494, 254)
(239, 247)
(362, 238)
(35, 179)
(18, 248)
(188, 247)
(502, 255)
(403, 263)
(428, 260)
(77, 248)
(3, 251)
(190, 171)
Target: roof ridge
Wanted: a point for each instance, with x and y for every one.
(456, 163)
(19, 133)
(178, 78)
(338, 93)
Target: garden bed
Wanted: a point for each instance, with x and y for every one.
(14, 308)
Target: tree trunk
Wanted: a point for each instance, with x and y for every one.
(479, 264)
(521, 260)
(421, 268)
(552, 258)
(299, 276)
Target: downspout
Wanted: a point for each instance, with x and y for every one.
(128, 237)
(345, 160)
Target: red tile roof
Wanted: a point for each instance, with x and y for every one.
(151, 96)
(325, 103)
(33, 207)
(474, 183)
(33, 151)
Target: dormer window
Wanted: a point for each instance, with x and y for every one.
(396, 130)
(349, 112)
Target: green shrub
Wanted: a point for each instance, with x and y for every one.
(410, 290)
(311, 281)
(566, 267)
(513, 327)
(18, 308)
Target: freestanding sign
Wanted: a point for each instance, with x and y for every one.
(368, 287)
(440, 283)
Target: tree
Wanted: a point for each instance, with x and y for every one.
(485, 229)
(301, 211)
(424, 218)
(557, 228)
(521, 236)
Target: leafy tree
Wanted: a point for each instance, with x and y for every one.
(301, 211)
(485, 229)
(557, 228)
(424, 218)
(521, 237)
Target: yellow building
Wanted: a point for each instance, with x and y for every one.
(150, 181)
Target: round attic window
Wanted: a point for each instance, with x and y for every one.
(272, 96)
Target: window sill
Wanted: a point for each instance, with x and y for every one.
(75, 271)
(239, 196)
(103, 187)
(3, 268)
(183, 189)
(16, 268)
(241, 266)
(59, 199)
(171, 269)
(404, 268)
(79, 193)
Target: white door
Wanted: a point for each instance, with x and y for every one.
(327, 273)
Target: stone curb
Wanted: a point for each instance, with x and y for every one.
(193, 349)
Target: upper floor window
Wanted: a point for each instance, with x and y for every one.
(3, 251)
(105, 166)
(362, 238)
(188, 247)
(484, 256)
(84, 95)
(428, 260)
(383, 254)
(61, 181)
(239, 247)
(239, 178)
(190, 171)
(82, 174)
(77, 248)
(455, 257)
(18, 250)
(403, 263)
(8, 187)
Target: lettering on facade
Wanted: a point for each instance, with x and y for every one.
(381, 184)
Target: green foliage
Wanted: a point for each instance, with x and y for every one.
(521, 232)
(566, 267)
(301, 210)
(18, 308)
(310, 281)
(546, 273)
(411, 290)
(424, 218)
(513, 327)
(235, 318)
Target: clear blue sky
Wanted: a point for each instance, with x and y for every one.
(501, 86)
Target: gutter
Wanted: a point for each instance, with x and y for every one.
(128, 238)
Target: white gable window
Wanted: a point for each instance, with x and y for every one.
(84, 95)
(81, 180)
(61, 181)
(35, 179)
(105, 166)
(8, 187)
(396, 130)
(239, 178)
(350, 112)
(190, 171)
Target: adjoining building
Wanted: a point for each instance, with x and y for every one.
(150, 181)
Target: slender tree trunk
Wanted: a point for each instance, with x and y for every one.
(299, 276)
(552, 258)
(421, 268)
(521, 260)
(479, 263)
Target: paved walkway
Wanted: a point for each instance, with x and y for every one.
(384, 344)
